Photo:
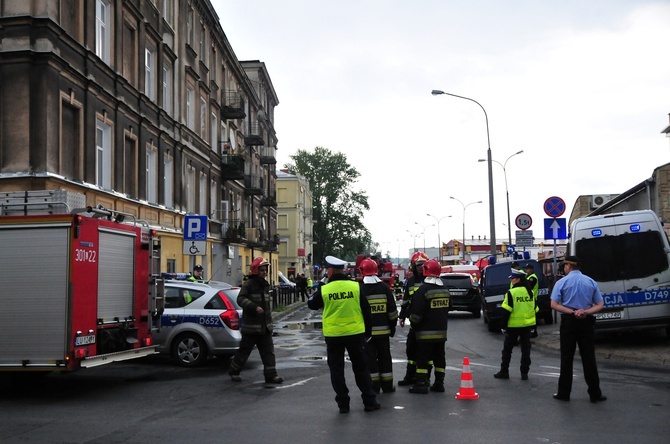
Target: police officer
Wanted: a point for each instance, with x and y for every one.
(412, 285)
(577, 297)
(533, 285)
(346, 324)
(519, 307)
(254, 298)
(197, 274)
(428, 316)
(384, 319)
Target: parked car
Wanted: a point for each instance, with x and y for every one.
(464, 295)
(199, 321)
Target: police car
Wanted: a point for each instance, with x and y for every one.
(199, 321)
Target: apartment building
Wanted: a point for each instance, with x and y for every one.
(295, 224)
(143, 107)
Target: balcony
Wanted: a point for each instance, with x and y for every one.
(234, 106)
(268, 154)
(255, 136)
(232, 167)
(234, 230)
(253, 186)
(269, 200)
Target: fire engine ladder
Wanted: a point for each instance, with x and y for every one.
(156, 283)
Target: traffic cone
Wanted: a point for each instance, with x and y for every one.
(467, 387)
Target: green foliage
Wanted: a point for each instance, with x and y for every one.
(337, 207)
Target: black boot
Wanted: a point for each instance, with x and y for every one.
(438, 385)
(388, 387)
(421, 385)
(410, 375)
(502, 374)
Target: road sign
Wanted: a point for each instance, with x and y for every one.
(555, 228)
(524, 238)
(195, 235)
(554, 207)
(523, 221)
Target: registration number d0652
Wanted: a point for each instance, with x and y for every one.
(609, 315)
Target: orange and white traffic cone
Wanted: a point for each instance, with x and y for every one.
(467, 387)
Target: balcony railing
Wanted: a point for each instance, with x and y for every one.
(268, 155)
(269, 200)
(234, 230)
(255, 136)
(234, 106)
(254, 185)
(232, 167)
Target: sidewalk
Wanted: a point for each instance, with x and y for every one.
(638, 347)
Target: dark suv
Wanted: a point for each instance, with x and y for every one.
(464, 295)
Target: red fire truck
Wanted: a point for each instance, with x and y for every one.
(80, 287)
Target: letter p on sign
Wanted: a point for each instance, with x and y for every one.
(195, 227)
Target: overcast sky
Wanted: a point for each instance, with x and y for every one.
(582, 87)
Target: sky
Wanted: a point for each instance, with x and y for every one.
(583, 88)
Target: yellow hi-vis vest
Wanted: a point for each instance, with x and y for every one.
(342, 314)
(523, 307)
(536, 286)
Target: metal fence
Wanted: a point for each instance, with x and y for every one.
(284, 296)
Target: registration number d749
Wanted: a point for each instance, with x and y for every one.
(608, 315)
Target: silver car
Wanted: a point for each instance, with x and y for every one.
(199, 321)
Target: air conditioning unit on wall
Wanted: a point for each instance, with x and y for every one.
(598, 200)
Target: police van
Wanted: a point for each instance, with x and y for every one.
(495, 283)
(628, 255)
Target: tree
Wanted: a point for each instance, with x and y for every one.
(337, 208)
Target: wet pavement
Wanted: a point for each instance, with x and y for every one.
(636, 347)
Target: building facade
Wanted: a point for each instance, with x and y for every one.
(295, 224)
(142, 106)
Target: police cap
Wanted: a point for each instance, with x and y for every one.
(517, 274)
(333, 262)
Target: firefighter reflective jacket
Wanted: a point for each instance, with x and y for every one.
(255, 293)
(413, 284)
(382, 306)
(522, 306)
(428, 312)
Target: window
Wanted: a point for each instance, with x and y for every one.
(103, 158)
(102, 30)
(150, 74)
(203, 117)
(168, 180)
(212, 128)
(152, 174)
(71, 153)
(214, 200)
(129, 50)
(190, 19)
(168, 12)
(190, 189)
(167, 88)
(203, 46)
(190, 114)
(130, 164)
(202, 194)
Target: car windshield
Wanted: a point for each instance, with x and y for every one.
(456, 281)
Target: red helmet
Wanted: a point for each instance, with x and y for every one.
(369, 267)
(432, 268)
(257, 263)
(419, 256)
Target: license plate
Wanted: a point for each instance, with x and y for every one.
(609, 315)
(84, 340)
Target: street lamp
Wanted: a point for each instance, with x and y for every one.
(464, 207)
(424, 233)
(492, 217)
(439, 241)
(414, 244)
(503, 165)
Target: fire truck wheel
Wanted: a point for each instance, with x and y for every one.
(189, 349)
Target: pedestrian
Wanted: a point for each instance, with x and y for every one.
(197, 275)
(533, 285)
(519, 308)
(577, 297)
(384, 315)
(411, 286)
(346, 325)
(254, 298)
(301, 284)
(428, 316)
(310, 284)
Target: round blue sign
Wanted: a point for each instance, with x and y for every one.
(554, 206)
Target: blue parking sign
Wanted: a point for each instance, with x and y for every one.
(195, 227)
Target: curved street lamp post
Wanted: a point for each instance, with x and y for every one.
(492, 217)
(504, 165)
(439, 241)
(464, 207)
(423, 227)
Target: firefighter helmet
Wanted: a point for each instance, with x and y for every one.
(432, 268)
(369, 267)
(419, 256)
(257, 263)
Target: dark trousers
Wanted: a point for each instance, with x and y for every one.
(355, 347)
(522, 334)
(410, 347)
(379, 359)
(302, 291)
(430, 352)
(580, 332)
(266, 349)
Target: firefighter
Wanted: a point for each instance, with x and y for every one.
(346, 324)
(384, 315)
(197, 274)
(254, 298)
(412, 285)
(519, 307)
(428, 317)
(533, 285)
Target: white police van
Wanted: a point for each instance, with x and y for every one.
(628, 255)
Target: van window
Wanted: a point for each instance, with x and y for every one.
(627, 256)
(497, 276)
